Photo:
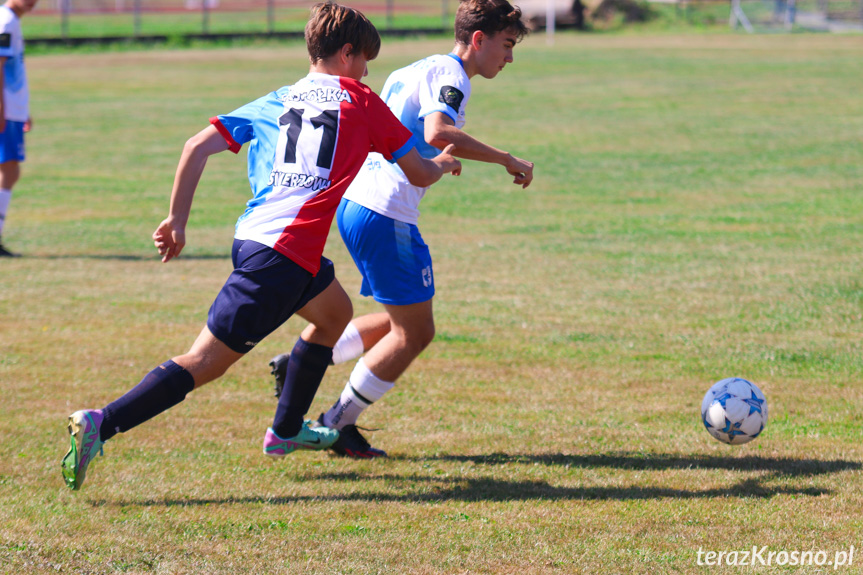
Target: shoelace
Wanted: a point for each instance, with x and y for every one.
(359, 437)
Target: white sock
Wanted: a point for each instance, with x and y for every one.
(363, 389)
(350, 345)
(5, 198)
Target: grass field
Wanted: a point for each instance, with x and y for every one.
(47, 22)
(696, 214)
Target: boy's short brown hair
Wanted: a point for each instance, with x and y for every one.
(489, 17)
(331, 26)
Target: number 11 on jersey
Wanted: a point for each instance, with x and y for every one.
(291, 124)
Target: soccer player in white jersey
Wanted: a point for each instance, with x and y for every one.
(14, 103)
(379, 214)
(307, 142)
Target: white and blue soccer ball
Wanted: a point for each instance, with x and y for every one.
(734, 411)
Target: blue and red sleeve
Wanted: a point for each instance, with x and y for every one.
(232, 143)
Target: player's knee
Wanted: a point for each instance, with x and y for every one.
(9, 174)
(418, 337)
(327, 329)
(341, 317)
(428, 335)
(201, 367)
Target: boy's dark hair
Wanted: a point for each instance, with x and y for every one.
(489, 17)
(331, 26)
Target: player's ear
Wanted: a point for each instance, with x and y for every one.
(476, 39)
(345, 53)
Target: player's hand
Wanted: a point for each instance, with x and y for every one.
(521, 169)
(28, 125)
(448, 163)
(169, 239)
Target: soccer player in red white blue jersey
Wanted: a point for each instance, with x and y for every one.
(306, 142)
(379, 214)
(321, 128)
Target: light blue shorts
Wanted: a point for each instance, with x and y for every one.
(392, 258)
(12, 142)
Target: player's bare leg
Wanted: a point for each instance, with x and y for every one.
(208, 359)
(9, 174)
(372, 327)
(411, 330)
(327, 314)
(361, 335)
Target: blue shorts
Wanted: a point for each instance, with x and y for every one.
(264, 290)
(12, 142)
(392, 258)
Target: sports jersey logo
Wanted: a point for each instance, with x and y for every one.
(452, 97)
(318, 95)
(291, 180)
(427, 276)
(5, 40)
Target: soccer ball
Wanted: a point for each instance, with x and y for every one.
(734, 411)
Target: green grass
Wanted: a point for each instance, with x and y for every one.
(695, 215)
(41, 24)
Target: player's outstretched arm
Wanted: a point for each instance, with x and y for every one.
(440, 131)
(170, 237)
(422, 172)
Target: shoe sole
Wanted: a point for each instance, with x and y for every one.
(352, 455)
(349, 453)
(290, 448)
(297, 446)
(70, 468)
(277, 373)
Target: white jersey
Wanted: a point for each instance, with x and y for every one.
(434, 84)
(16, 94)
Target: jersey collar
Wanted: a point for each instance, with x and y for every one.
(457, 59)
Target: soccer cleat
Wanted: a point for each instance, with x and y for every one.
(307, 438)
(4, 253)
(84, 431)
(351, 443)
(279, 368)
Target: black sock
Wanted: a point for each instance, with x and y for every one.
(162, 388)
(306, 368)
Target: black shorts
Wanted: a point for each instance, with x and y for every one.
(264, 290)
